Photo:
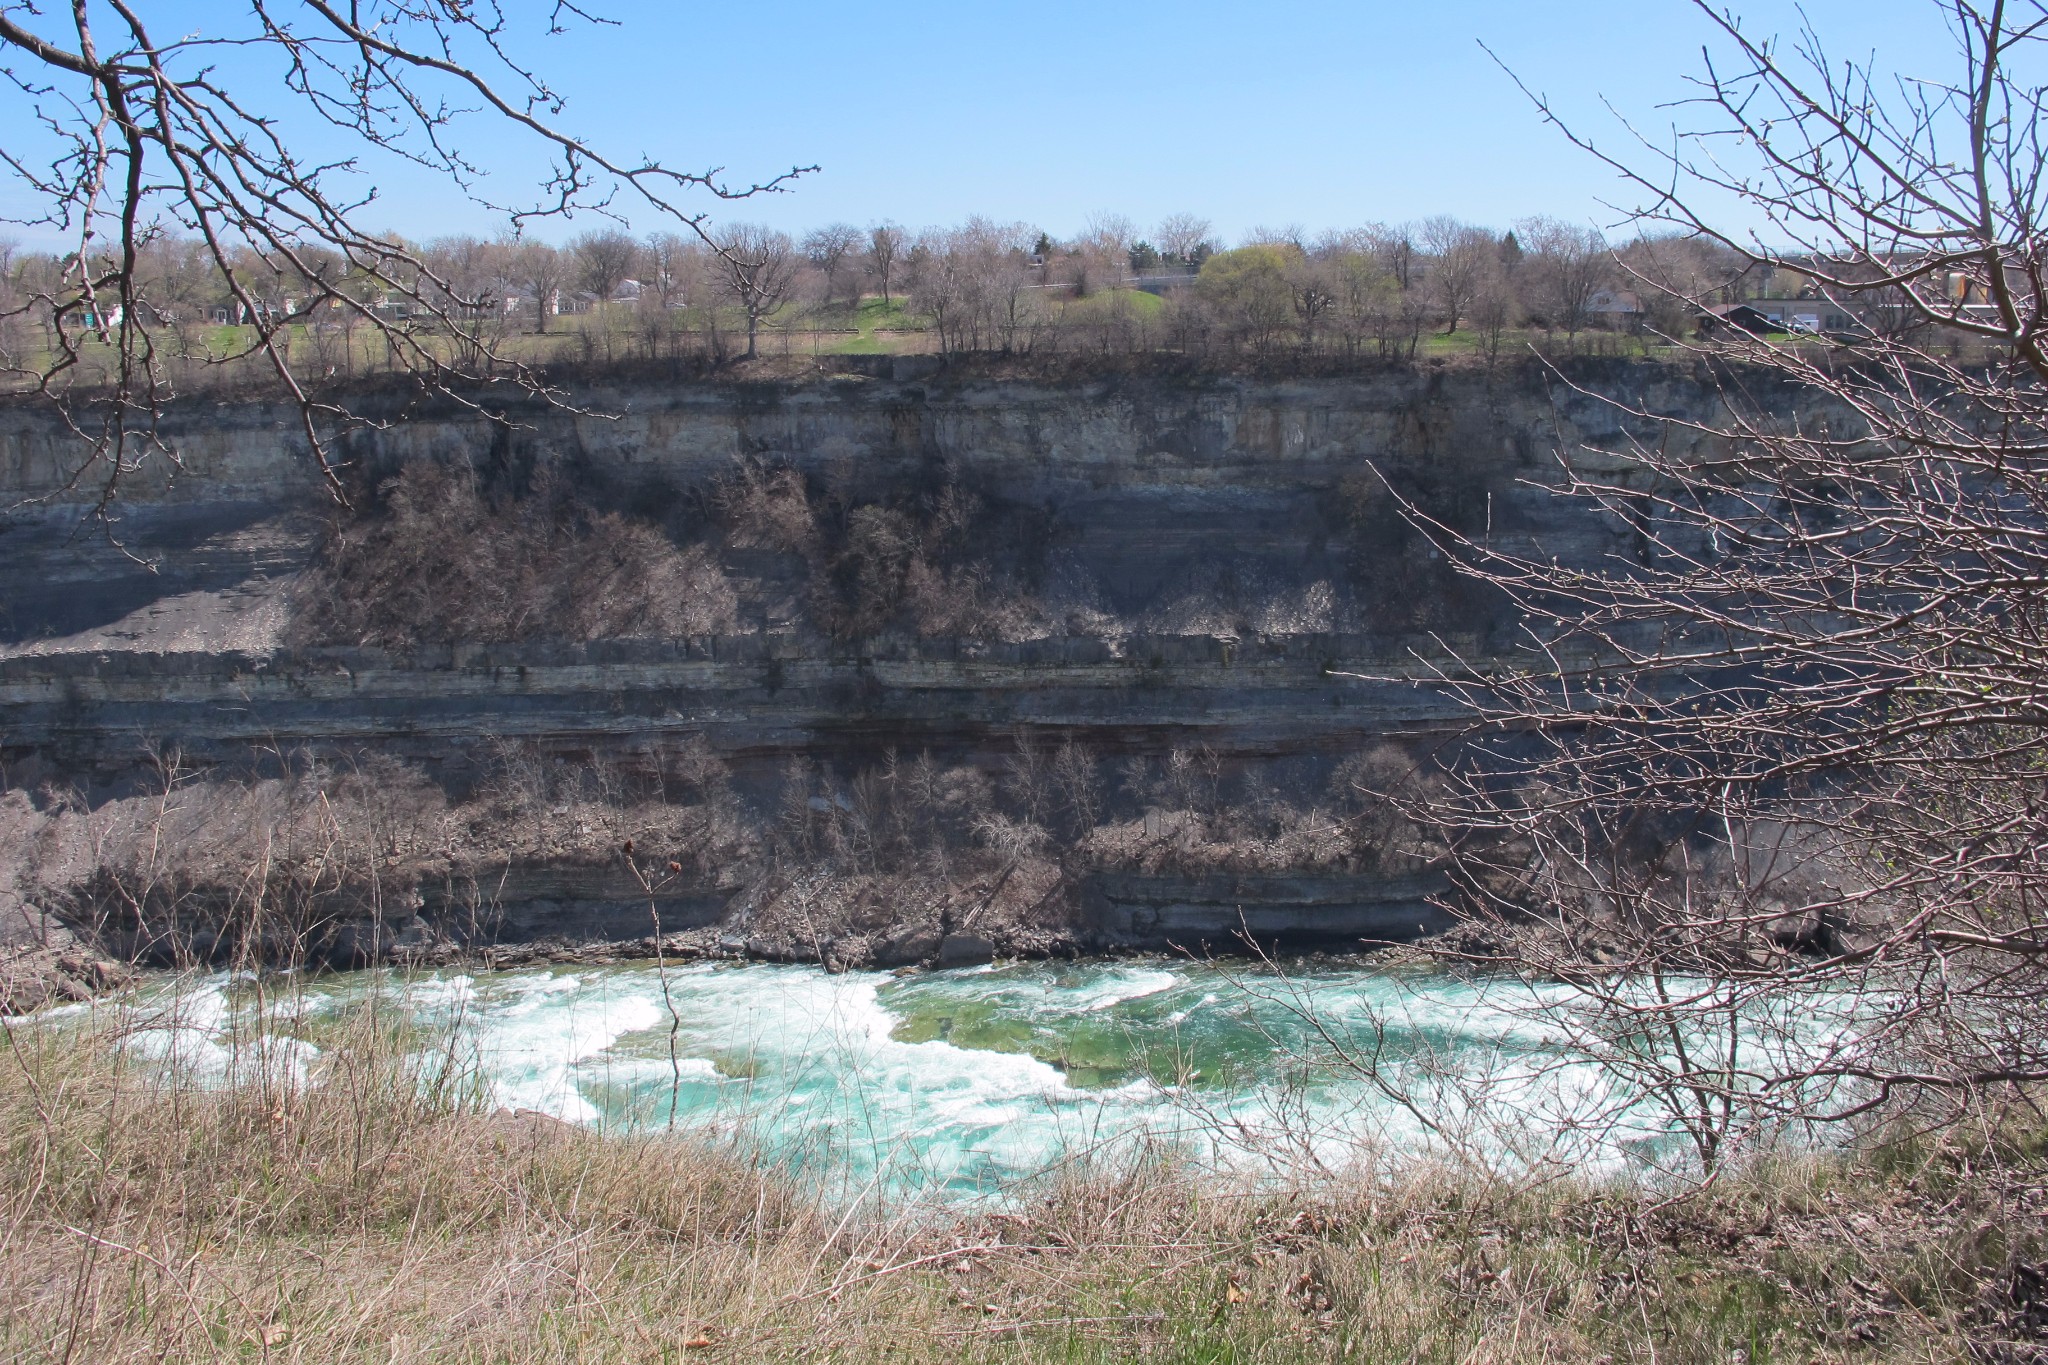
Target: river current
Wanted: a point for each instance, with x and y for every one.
(966, 1082)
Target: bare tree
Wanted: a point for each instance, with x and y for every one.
(1101, 258)
(1493, 311)
(541, 269)
(1566, 265)
(605, 260)
(1460, 256)
(832, 249)
(941, 287)
(11, 265)
(757, 267)
(1395, 247)
(1004, 277)
(974, 283)
(474, 273)
(673, 263)
(1288, 236)
(1183, 238)
(1365, 290)
(1775, 768)
(122, 135)
(1677, 269)
(1313, 282)
(885, 246)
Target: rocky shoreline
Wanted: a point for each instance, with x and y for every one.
(33, 977)
(52, 964)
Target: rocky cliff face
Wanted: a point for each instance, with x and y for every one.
(1215, 567)
(1135, 493)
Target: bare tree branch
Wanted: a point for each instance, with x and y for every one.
(139, 141)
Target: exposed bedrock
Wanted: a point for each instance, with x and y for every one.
(1137, 491)
(752, 698)
(1217, 564)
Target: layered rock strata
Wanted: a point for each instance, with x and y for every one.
(1227, 563)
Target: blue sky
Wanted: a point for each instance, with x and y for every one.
(1322, 113)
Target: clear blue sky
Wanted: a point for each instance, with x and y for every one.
(1322, 113)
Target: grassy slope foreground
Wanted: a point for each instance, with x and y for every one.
(368, 1217)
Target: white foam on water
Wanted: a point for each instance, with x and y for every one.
(823, 1055)
(531, 1031)
(1124, 985)
(841, 1083)
(190, 1031)
(183, 1031)
(810, 1065)
(440, 992)
(49, 1014)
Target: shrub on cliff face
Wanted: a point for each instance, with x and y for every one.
(1189, 812)
(766, 508)
(307, 864)
(442, 564)
(964, 603)
(673, 798)
(921, 563)
(864, 590)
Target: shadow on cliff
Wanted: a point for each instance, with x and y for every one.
(62, 575)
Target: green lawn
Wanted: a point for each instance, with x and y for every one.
(866, 343)
(892, 316)
(1111, 304)
(867, 322)
(1517, 342)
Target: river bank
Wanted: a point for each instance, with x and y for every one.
(367, 1201)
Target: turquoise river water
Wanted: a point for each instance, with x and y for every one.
(961, 1082)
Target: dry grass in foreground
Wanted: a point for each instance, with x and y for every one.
(371, 1216)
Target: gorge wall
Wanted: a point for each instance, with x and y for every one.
(1173, 574)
